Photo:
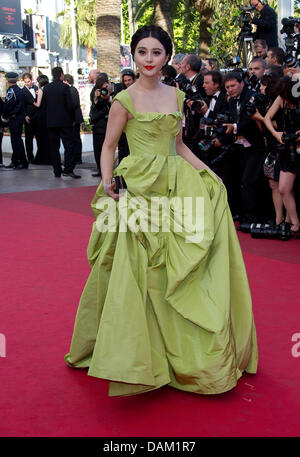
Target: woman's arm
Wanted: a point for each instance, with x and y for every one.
(269, 116)
(188, 155)
(39, 98)
(117, 119)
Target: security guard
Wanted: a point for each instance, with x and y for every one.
(14, 113)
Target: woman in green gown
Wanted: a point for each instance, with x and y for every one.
(167, 301)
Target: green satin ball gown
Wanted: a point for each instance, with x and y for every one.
(157, 310)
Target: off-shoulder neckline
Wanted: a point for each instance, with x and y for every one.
(155, 112)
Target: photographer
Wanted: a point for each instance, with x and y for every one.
(214, 138)
(168, 76)
(290, 150)
(99, 116)
(275, 56)
(256, 71)
(191, 68)
(247, 153)
(266, 23)
(176, 63)
(290, 29)
(260, 48)
(297, 38)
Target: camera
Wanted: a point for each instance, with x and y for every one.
(288, 25)
(290, 145)
(291, 42)
(168, 81)
(191, 94)
(247, 9)
(257, 101)
(233, 62)
(214, 129)
(104, 92)
(245, 20)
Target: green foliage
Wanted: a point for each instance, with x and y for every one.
(186, 28)
(126, 31)
(85, 20)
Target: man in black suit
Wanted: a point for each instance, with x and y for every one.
(30, 124)
(176, 63)
(68, 79)
(266, 23)
(191, 67)
(260, 48)
(215, 104)
(256, 71)
(60, 119)
(245, 175)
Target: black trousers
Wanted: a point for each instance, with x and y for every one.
(77, 147)
(66, 135)
(18, 155)
(31, 131)
(242, 173)
(98, 140)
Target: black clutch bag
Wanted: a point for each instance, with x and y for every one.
(120, 184)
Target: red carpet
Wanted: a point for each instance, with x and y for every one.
(44, 237)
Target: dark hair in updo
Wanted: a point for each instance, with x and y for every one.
(153, 31)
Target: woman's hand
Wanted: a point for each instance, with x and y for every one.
(278, 136)
(109, 190)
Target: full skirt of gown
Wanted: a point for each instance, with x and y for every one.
(164, 307)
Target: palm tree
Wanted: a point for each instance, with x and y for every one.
(108, 25)
(163, 16)
(85, 26)
(206, 10)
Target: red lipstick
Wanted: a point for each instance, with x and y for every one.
(149, 67)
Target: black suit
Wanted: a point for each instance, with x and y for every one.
(60, 117)
(245, 175)
(190, 132)
(221, 105)
(181, 80)
(31, 128)
(267, 26)
(76, 128)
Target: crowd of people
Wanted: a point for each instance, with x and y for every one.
(243, 125)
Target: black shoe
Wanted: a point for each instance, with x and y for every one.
(96, 175)
(72, 175)
(1, 165)
(11, 165)
(78, 162)
(57, 175)
(21, 166)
